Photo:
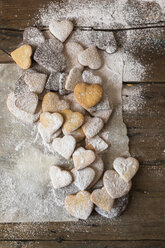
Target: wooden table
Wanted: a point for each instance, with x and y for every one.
(143, 223)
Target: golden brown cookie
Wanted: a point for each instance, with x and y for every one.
(22, 56)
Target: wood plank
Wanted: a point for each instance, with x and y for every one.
(82, 244)
(144, 116)
(104, 14)
(143, 219)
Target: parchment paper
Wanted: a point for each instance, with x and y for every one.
(26, 193)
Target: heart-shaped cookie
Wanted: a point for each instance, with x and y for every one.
(90, 57)
(82, 158)
(103, 114)
(64, 146)
(78, 134)
(102, 199)
(36, 81)
(90, 78)
(79, 205)
(61, 30)
(115, 185)
(72, 120)
(96, 143)
(46, 135)
(20, 114)
(92, 127)
(74, 105)
(22, 56)
(52, 122)
(72, 49)
(33, 36)
(73, 78)
(60, 178)
(52, 103)
(88, 95)
(27, 103)
(83, 178)
(98, 167)
(126, 167)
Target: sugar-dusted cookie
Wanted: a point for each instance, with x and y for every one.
(82, 158)
(96, 143)
(102, 199)
(64, 146)
(118, 208)
(90, 78)
(74, 105)
(33, 36)
(83, 178)
(126, 167)
(88, 95)
(61, 30)
(60, 178)
(50, 55)
(27, 102)
(52, 122)
(72, 49)
(72, 120)
(79, 205)
(98, 167)
(22, 56)
(46, 135)
(52, 103)
(90, 57)
(115, 185)
(74, 77)
(36, 81)
(92, 127)
(20, 114)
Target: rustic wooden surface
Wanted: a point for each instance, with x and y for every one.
(143, 223)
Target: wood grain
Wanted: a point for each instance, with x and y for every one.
(84, 244)
(17, 14)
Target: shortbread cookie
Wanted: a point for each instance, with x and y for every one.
(118, 208)
(83, 178)
(20, 114)
(46, 135)
(72, 120)
(60, 178)
(72, 49)
(115, 185)
(21, 88)
(53, 81)
(88, 95)
(79, 205)
(50, 55)
(52, 122)
(33, 36)
(27, 102)
(52, 103)
(74, 77)
(102, 105)
(96, 143)
(78, 134)
(36, 81)
(74, 105)
(102, 199)
(22, 56)
(90, 78)
(92, 127)
(90, 57)
(126, 167)
(98, 167)
(82, 158)
(61, 30)
(62, 82)
(103, 114)
(64, 146)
